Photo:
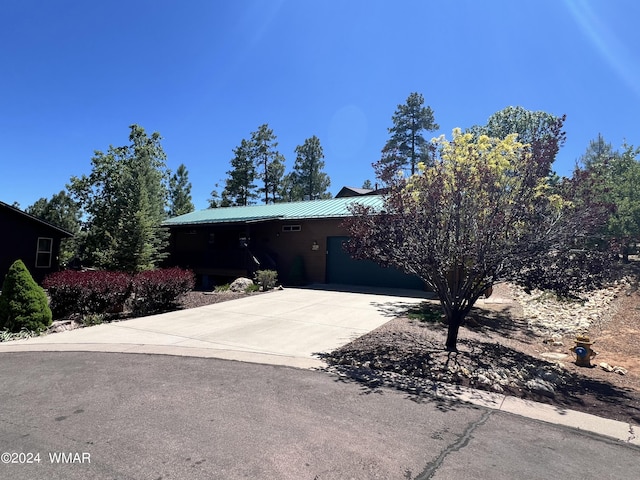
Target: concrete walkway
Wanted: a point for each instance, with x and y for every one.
(290, 327)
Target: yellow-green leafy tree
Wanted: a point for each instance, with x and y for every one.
(484, 210)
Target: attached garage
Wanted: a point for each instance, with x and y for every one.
(343, 269)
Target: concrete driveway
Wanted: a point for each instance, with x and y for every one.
(285, 327)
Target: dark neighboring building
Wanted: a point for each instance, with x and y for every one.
(34, 241)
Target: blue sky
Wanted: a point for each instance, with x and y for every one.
(205, 74)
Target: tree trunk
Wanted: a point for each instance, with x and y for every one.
(455, 320)
(625, 253)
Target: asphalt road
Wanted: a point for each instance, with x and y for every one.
(126, 416)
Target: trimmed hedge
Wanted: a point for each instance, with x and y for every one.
(159, 290)
(23, 304)
(90, 292)
(99, 292)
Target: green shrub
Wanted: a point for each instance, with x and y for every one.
(252, 288)
(266, 279)
(222, 288)
(23, 304)
(92, 319)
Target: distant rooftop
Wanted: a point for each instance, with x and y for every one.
(312, 209)
(355, 192)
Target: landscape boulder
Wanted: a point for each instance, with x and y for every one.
(240, 284)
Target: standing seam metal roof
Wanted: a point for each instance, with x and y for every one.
(313, 209)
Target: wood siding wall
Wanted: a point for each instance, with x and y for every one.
(19, 240)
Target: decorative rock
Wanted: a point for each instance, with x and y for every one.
(606, 367)
(548, 376)
(542, 387)
(240, 284)
(620, 370)
(549, 317)
(497, 388)
(63, 325)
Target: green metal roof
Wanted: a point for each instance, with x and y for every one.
(332, 208)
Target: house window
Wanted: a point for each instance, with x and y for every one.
(44, 252)
(291, 228)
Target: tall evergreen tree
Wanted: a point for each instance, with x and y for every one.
(274, 179)
(269, 162)
(598, 153)
(123, 200)
(290, 189)
(308, 175)
(180, 201)
(407, 146)
(219, 200)
(240, 188)
(618, 176)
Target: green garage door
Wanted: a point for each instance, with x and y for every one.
(343, 269)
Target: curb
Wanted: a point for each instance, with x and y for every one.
(621, 431)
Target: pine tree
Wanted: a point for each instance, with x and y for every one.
(407, 145)
(269, 162)
(309, 181)
(240, 186)
(218, 200)
(180, 201)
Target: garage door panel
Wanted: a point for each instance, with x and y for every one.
(343, 269)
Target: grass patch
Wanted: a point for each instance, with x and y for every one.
(426, 313)
(7, 336)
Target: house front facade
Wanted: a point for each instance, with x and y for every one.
(302, 241)
(34, 241)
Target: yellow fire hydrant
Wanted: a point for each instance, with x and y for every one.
(583, 352)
